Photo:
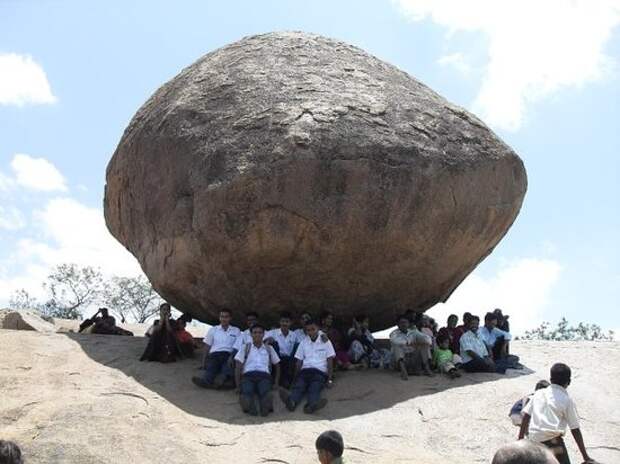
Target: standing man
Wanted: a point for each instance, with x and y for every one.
(547, 414)
(253, 373)
(473, 350)
(283, 341)
(219, 342)
(315, 366)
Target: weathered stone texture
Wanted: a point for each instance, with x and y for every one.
(288, 170)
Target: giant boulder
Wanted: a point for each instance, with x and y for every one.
(289, 170)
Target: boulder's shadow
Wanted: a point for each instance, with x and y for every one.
(353, 393)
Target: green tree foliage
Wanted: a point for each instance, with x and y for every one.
(72, 289)
(565, 332)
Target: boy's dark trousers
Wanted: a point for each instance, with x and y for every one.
(217, 363)
(558, 448)
(310, 381)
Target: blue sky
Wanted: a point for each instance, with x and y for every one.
(545, 78)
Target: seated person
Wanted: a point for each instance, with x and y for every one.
(452, 332)
(474, 351)
(363, 348)
(410, 349)
(338, 342)
(251, 318)
(162, 345)
(444, 360)
(424, 325)
(315, 365)
(104, 324)
(283, 341)
(329, 447)
(516, 412)
(184, 338)
(253, 373)
(219, 354)
(495, 339)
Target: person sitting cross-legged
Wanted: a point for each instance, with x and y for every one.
(283, 341)
(218, 357)
(410, 349)
(444, 359)
(474, 351)
(363, 348)
(315, 365)
(253, 373)
(495, 339)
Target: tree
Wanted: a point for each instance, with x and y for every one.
(21, 300)
(132, 296)
(72, 289)
(564, 332)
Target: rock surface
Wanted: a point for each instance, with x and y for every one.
(24, 320)
(66, 398)
(288, 170)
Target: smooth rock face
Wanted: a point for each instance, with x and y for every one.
(288, 170)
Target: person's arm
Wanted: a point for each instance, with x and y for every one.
(298, 365)
(582, 447)
(525, 426)
(330, 371)
(276, 382)
(238, 367)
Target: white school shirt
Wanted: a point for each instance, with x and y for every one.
(315, 354)
(243, 339)
(472, 342)
(222, 340)
(551, 410)
(286, 343)
(258, 358)
(490, 336)
(300, 335)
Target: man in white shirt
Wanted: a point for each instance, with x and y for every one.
(495, 339)
(474, 352)
(410, 349)
(251, 318)
(283, 341)
(253, 373)
(547, 414)
(315, 364)
(218, 356)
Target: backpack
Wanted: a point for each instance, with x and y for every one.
(517, 408)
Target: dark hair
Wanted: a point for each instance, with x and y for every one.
(311, 322)
(453, 316)
(10, 453)
(332, 442)
(285, 314)
(104, 310)
(472, 317)
(360, 317)
(490, 317)
(541, 384)
(560, 374)
(442, 337)
(306, 313)
(226, 310)
(252, 313)
(522, 452)
(466, 317)
(401, 317)
(257, 325)
(185, 318)
(325, 315)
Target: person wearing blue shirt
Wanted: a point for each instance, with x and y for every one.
(496, 340)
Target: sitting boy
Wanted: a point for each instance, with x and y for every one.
(410, 349)
(315, 365)
(253, 373)
(443, 358)
(284, 341)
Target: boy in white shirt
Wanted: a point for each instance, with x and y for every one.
(315, 365)
(253, 373)
(547, 414)
(284, 342)
(251, 318)
(218, 361)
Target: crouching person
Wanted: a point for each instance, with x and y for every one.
(254, 362)
(315, 365)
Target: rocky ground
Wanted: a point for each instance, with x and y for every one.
(69, 398)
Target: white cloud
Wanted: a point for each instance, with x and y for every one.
(23, 81)
(11, 218)
(6, 183)
(37, 174)
(521, 289)
(74, 233)
(534, 48)
(457, 61)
